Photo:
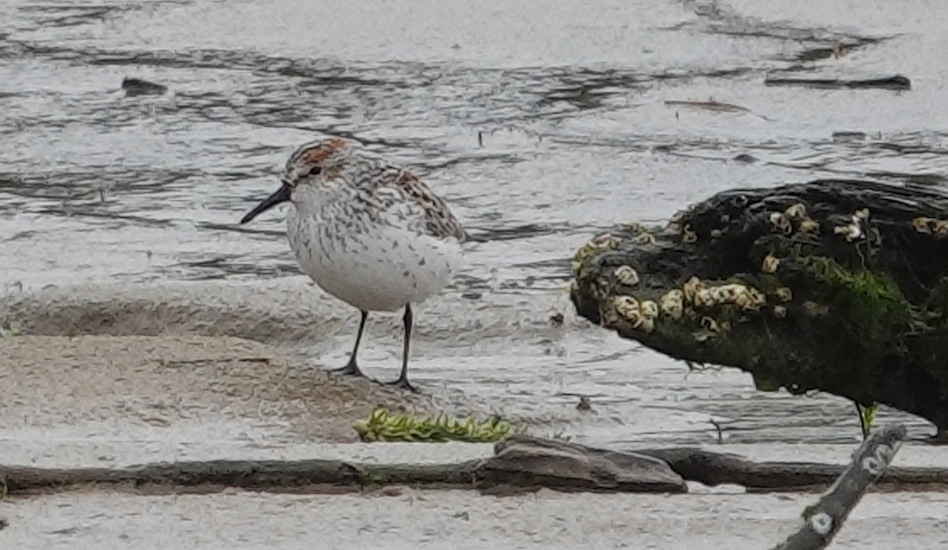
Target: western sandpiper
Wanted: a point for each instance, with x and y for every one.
(367, 231)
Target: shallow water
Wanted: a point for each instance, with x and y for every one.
(568, 100)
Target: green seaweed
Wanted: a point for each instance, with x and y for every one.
(866, 416)
(8, 328)
(871, 301)
(385, 426)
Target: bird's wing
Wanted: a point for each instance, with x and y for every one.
(403, 195)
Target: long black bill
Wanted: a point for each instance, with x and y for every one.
(281, 195)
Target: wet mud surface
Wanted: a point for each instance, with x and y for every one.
(416, 519)
(540, 126)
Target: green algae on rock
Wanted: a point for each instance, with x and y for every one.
(833, 285)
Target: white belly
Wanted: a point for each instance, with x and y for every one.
(381, 268)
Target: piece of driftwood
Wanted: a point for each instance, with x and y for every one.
(839, 286)
(823, 520)
(519, 463)
(714, 468)
(896, 82)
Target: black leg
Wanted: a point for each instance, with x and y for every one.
(402, 381)
(352, 367)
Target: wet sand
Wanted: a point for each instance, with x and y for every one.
(461, 520)
(88, 383)
(104, 400)
(569, 99)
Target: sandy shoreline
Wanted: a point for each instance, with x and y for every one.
(115, 400)
(54, 382)
(409, 519)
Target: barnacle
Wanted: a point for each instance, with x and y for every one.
(716, 233)
(784, 294)
(862, 214)
(634, 317)
(645, 238)
(704, 298)
(921, 224)
(688, 236)
(931, 226)
(672, 303)
(940, 228)
(851, 231)
(604, 240)
(633, 227)
(727, 293)
(780, 312)
(626, 275)
(795, 212)
(674, 223)
(710, 324)
(691, 287)
(601, 241)
(781, 223)
(809, 226)
(649, 308)
(625, 305)
(770, 264)
(753, 299)
(382, 425)
(630, 310)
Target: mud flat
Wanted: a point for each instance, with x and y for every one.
(59, 382)
(410, 519)
(111, 401)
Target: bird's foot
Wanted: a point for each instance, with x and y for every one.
(351, 369)
(403, 383)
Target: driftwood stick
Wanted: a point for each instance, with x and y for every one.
(272, 475)
(520, 463)
(823, 520)
(716, 468)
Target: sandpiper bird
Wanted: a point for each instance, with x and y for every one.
(367, 231)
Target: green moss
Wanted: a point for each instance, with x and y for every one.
(871, 301)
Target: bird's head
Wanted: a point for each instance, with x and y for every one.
(314, 163)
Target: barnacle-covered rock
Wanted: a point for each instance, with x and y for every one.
(833, 285)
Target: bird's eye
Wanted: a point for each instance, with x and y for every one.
(315, 170)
